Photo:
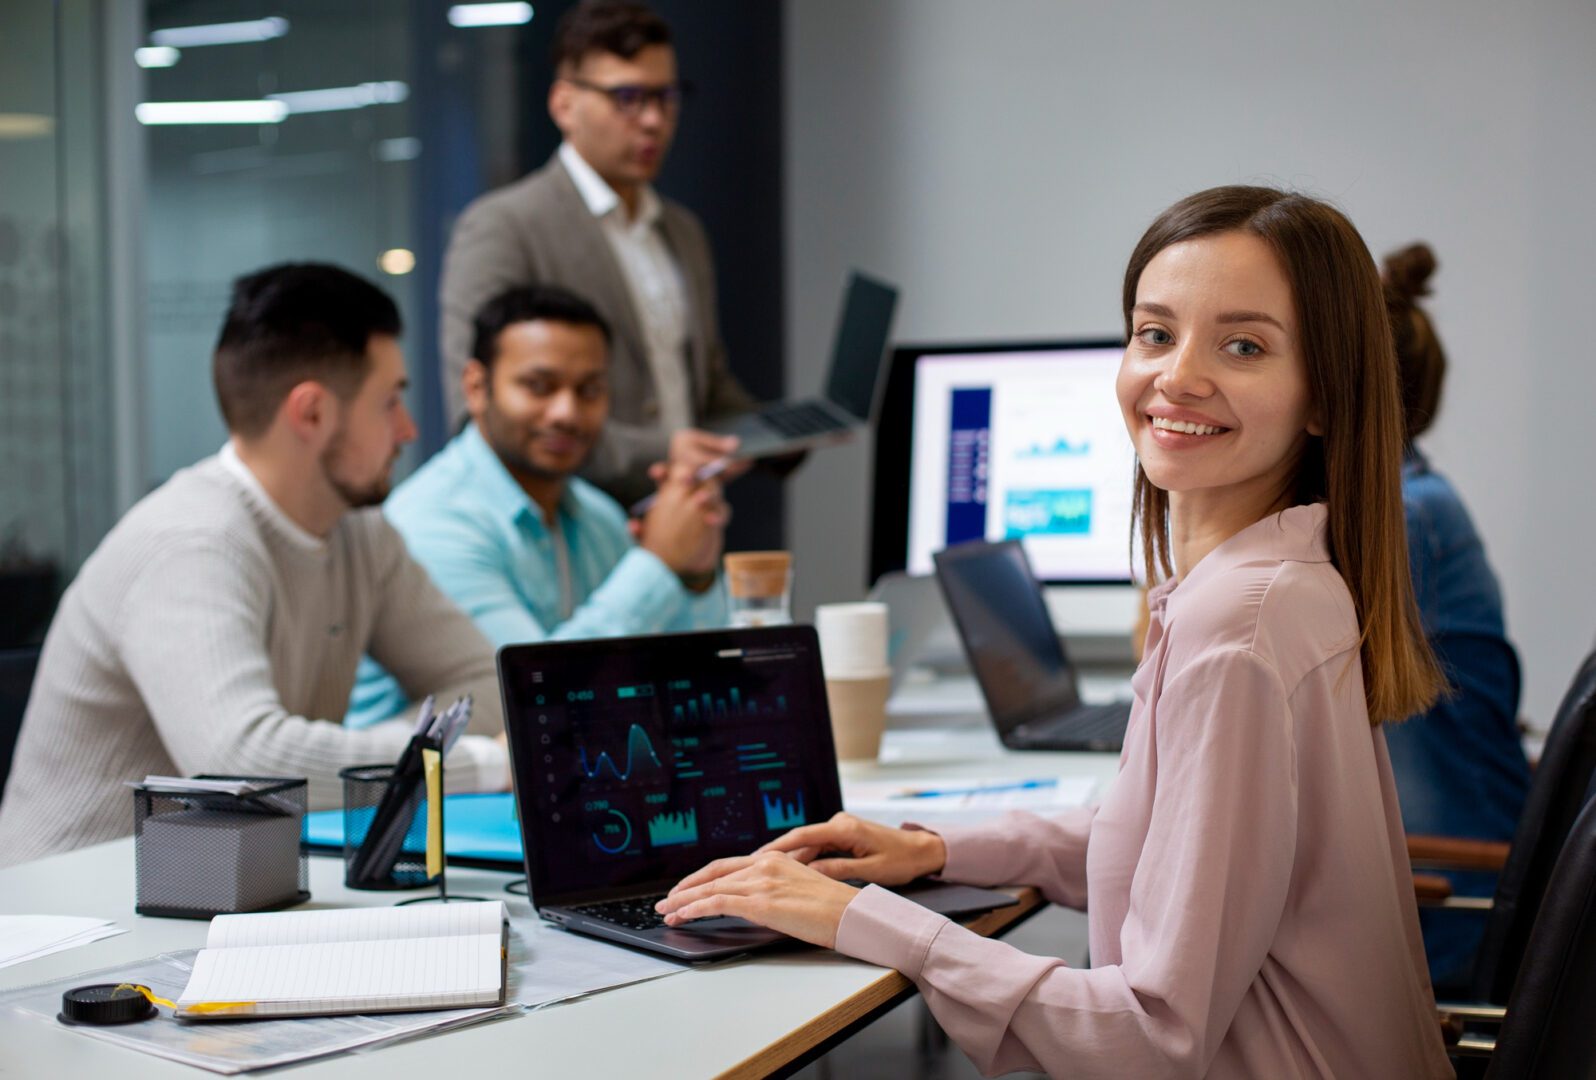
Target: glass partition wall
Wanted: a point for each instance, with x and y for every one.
(274, 133)
(57, 394)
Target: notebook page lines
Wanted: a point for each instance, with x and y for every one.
(354, 924)
(352, 976)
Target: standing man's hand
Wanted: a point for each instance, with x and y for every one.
(696, 448)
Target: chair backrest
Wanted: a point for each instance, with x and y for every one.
(1557, 793)
(1552, 1009)
(16, 680)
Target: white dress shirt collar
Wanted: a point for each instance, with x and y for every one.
(297, 533)
(655, 283)
(599, 196)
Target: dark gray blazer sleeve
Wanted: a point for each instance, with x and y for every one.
(484, 258)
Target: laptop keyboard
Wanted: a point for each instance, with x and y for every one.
(1087, 724)
(1099, 721)
(798, 420)
(634, 913)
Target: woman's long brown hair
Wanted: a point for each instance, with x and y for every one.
(1355, 467)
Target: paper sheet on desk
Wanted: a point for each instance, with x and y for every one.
(27, 937)
(961, 801)
(547, 966)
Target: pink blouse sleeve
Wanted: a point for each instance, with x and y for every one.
(1023, 849)
(1205, 900)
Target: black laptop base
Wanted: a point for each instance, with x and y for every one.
(1088, 728)
(705, 939)
(635, 923)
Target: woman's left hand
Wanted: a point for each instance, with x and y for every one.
(771, 888)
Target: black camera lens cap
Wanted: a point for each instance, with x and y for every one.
(105, 1003)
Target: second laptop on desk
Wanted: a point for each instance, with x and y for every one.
(1026, 677)
(638, 760)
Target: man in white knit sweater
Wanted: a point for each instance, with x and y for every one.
(218, 626)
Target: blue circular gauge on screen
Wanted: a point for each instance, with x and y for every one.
(612, 829)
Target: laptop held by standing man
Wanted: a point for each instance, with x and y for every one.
(857, 358)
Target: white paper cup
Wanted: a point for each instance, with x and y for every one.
(853, 639)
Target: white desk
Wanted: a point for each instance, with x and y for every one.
(740, 1019)
(927, 700)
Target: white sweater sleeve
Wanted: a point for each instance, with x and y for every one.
(193, 634)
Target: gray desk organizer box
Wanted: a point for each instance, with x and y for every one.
(199, 854)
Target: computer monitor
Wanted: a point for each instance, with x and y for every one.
(1005, 441)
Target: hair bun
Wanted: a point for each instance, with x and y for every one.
(1408, 270)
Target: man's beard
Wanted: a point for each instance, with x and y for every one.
(371, 493)
(505, 438)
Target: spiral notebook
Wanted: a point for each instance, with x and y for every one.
(357, 960)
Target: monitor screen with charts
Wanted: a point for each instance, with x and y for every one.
(1006, 442)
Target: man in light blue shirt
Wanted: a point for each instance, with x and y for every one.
(510, 533)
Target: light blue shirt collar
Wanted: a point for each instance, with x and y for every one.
(499, 489)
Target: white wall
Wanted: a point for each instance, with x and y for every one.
(998, 160)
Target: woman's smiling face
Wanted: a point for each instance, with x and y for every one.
(1213, 385)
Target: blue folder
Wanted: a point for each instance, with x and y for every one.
(478, 828)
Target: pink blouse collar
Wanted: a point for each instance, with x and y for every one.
(1296, 534)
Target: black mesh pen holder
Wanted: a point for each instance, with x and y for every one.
(199, 854)
(365, 789)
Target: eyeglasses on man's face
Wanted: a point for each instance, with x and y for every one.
(632, 99)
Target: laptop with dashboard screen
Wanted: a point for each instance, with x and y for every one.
(638, 760)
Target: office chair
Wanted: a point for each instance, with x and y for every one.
(1545, 1030)
(16, 679)
(1559, 787)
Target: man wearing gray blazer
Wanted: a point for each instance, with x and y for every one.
(590, 221)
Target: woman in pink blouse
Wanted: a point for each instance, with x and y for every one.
(1246, 879)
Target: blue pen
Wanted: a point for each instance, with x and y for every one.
(935, 793)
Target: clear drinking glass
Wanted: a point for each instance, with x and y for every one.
(759, 587)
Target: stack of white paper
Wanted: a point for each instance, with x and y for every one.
(949, 801)
(27, 937)
(184, 785)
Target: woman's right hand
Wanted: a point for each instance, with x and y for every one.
(850, 848)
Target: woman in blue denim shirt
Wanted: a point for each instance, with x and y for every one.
(1460, 768)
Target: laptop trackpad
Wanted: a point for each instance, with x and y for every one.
(720, 931)
(952, 900)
